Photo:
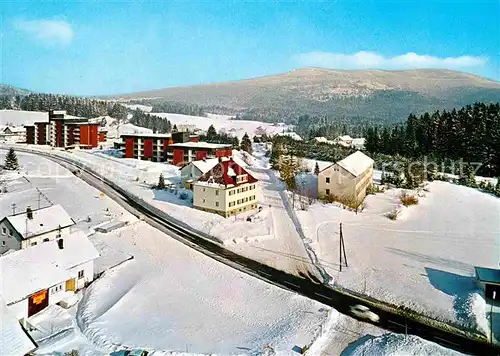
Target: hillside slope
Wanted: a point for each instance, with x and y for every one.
(387, 95)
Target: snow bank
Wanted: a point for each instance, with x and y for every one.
(397, 345)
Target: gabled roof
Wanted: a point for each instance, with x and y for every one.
(345, 138)
(200, 145)
(13, 339)
(30, 270)
(225, 173)
(14, 129)
(355, 163)
(205, 165)
(44, 220)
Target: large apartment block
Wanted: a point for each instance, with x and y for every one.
(227, 189)
(176, 148)
(64, 131)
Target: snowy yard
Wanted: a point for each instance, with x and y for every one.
(424, 259)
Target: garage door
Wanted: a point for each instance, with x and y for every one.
(492, 291)
(37, 302)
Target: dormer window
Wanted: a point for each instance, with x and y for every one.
(241, 178)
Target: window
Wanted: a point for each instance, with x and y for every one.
(216, 203)
(327, 180)
(216, 192)
(3, 243)
(10, 232)
(56, 289)
(328, 192)
(46, 240)
(80, 274)
(203, 189)
(34, 243)
(4, 231)
(204, 200)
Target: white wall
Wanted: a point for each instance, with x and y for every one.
(52, 235)
(190, 172)
(88, 274)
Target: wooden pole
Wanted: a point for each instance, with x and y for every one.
(340, 248)
(343, 246)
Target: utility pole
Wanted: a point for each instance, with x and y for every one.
(340, 248)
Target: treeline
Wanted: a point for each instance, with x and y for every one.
(171, 107)
(153, 122)
(75, 106)
(471, 134)
(331, 127)
(284, 145)
(219, 137)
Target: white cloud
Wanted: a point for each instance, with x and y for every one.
(365, 60)
(47, 31)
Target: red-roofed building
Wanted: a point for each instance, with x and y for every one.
(227, 189)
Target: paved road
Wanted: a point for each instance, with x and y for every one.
(308, 286)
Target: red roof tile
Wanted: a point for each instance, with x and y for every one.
(222, 173)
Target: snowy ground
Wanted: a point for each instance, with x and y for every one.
(127, 307)
(226, 124)
(424, 260)
(396, 345)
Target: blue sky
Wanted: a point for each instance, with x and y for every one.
(93, 48)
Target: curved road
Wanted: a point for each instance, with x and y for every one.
(308, 286)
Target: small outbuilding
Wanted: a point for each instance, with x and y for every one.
(488, 279)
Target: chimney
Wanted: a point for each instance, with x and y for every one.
(60, 243)
(29, 212)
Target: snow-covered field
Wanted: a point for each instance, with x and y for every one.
(225, 123)
(425, 259)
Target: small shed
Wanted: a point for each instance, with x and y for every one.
(488, 279)
(110, 226)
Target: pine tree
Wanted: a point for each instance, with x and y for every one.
(236, 143)
(497, 187)
(467, 177)
(11, 163)
(161, 182)
(246, 144)
(211, 134)
(316, 169)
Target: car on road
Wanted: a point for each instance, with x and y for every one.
(364, 312)
(131, 352)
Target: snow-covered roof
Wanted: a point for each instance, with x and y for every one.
(148, 135)
(30, 270)
(205, 165)
(15, 129)
(13, 339)
(358, 141)
(293, 135)
(345, 138)
(321, 139)
(200, 145)
(44, 220)
(356, 163)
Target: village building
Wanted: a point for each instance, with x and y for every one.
(13, 134)
(34, 227)
(193, 170)
(181, 153)
(153, 146)
(227, 189)
(46, 274)
(186, 128)
(488, 280)
(14, 339)
(64, 131)
(347, 179)
(344, 141)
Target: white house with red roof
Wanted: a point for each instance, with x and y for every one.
(226, 189)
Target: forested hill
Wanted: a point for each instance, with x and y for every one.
(381, 95)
